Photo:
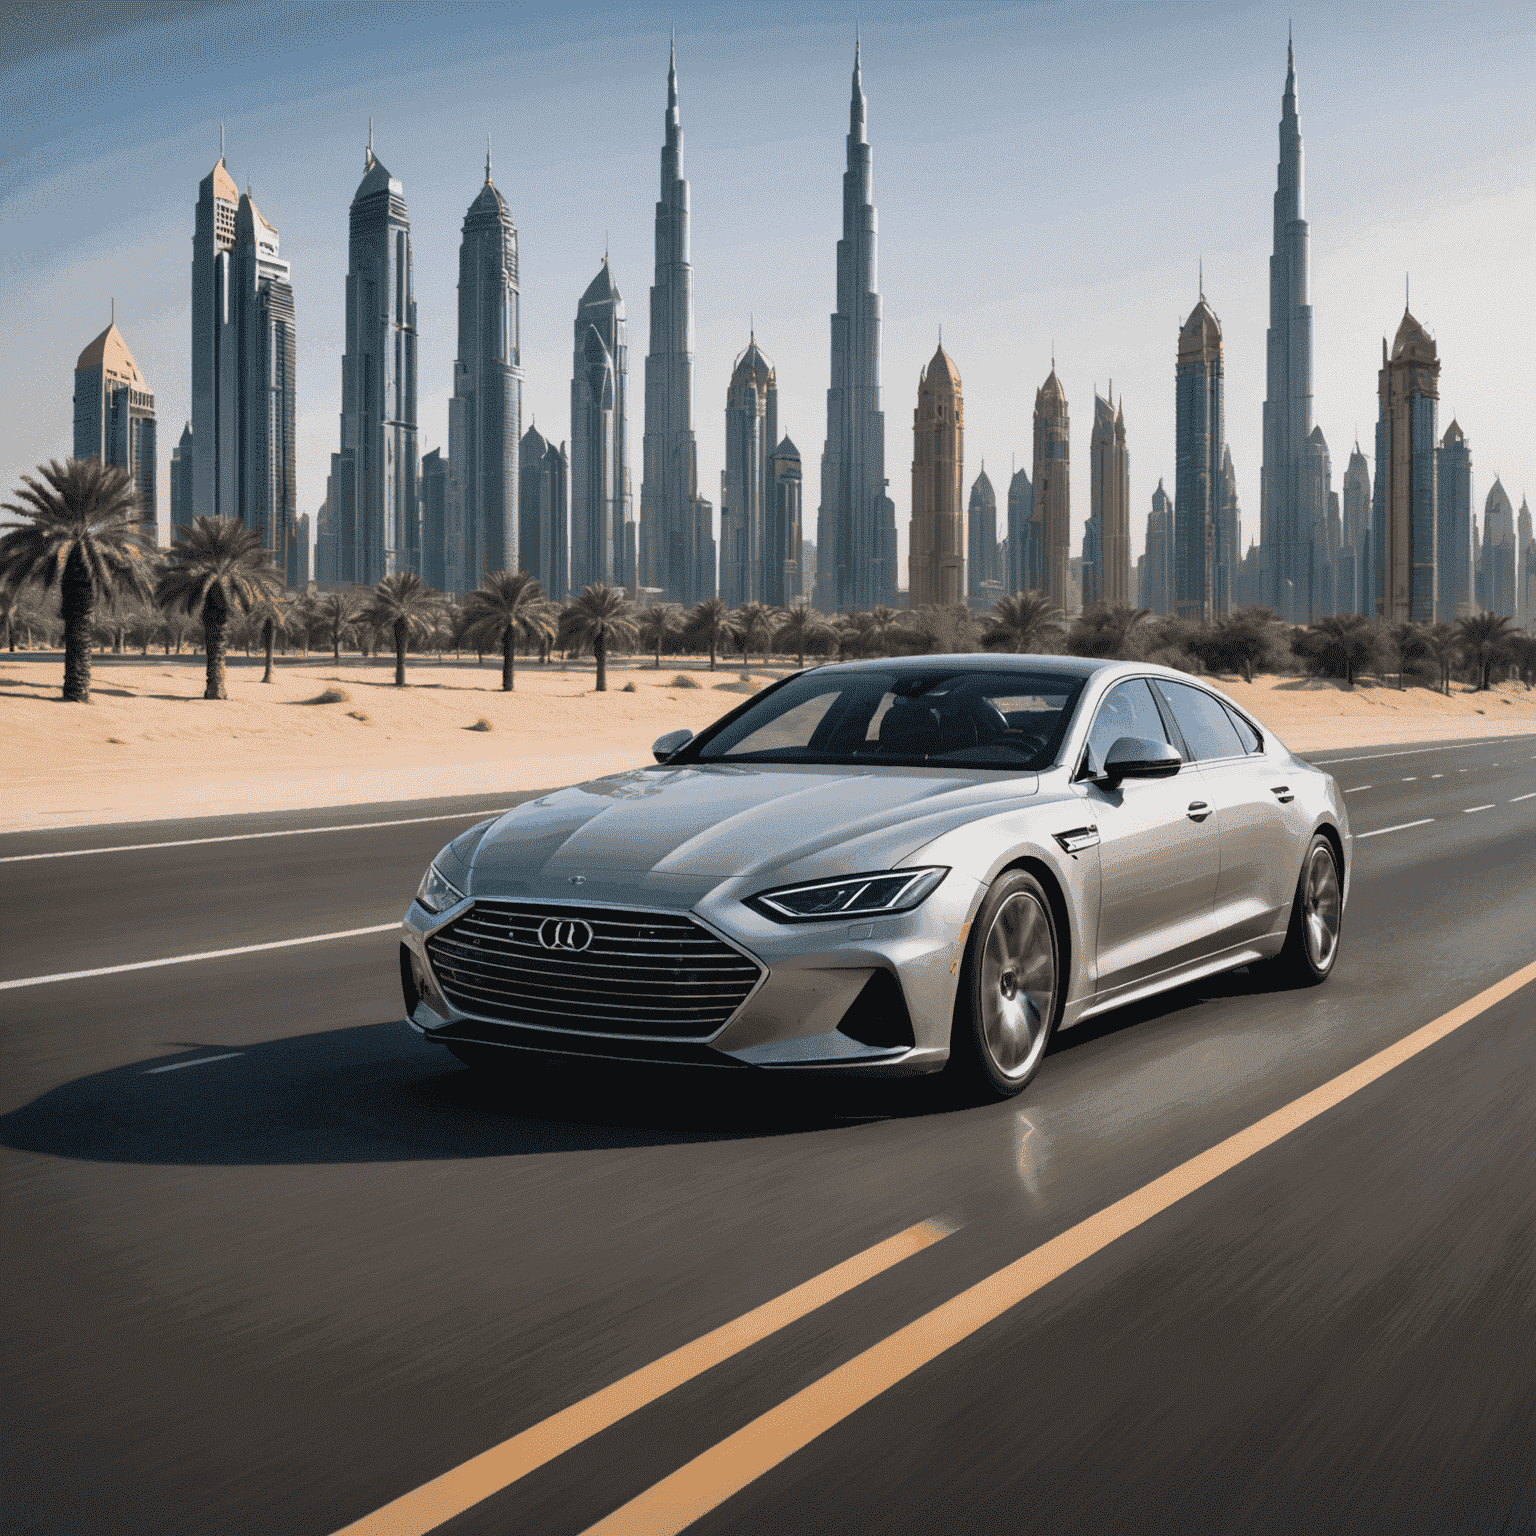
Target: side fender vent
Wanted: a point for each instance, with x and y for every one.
(878, 1015)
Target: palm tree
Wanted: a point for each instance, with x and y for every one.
(1340, 645)
(711, 622)
(1441, 642)
(755, 622)
(882, 620)
(657, 624)
(270, 615)
(1023, 623)
(506, 607)
(601, 614)
(215, 567)
(855, 633)
(11, 604)
(334, 617)
(403, 606)
(1485, 641)
(80, 528)
(803, 626)
(1105, 630)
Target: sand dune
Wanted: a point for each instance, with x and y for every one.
(149, 747)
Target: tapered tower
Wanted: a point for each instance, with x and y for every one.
(936, 552)
(1455, 561)
(1284, 528)
(751, 434)
(1403, 511)
(856, 522)
(1107, 536)
(1053, 493)
(1198, 454)
(602, 515)
(983, 553)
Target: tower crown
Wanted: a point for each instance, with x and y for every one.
(1201, 332)
(1412, 344)
(941, 373)
(110, 353)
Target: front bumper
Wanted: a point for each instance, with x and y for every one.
(872, 997)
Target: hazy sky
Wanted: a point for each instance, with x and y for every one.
(1044, 173)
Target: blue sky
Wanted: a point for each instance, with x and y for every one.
(1044, 173)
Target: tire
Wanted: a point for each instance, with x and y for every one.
(1317, 915)
(1010, 994)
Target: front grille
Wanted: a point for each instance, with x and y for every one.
(644, 973)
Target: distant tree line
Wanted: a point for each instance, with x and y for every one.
(78, 569)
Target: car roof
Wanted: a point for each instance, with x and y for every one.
(984, 661)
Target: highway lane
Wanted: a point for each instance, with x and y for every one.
(272, 1291)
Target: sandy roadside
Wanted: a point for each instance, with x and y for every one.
(150, 748)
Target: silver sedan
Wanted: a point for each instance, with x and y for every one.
(887, 868)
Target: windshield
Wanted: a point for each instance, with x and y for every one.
(901, 716)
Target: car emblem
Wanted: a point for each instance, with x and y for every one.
(576, 880)
(565, 933)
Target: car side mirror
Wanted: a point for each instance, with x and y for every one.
(664, 746)
(1136, 757)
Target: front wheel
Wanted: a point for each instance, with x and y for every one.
(1010, 991)
(1317, 915)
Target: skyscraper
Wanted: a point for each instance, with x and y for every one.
(856, 522)
(182, 496)
(1525, 569)
(372, 497)
(1455, 559)
(1023, 573)
(602, 514)
(1199, 452)
(751, 434)
(1285, 535)
(115, 416)
(1497, 566)
(442, 546)
(983, 562)
(784, 551)
(1053, 494)
(1403, 511)
(676, 537)
(1229, 536)
(1157, 593)
(936, 551)
(1319, 501)
(544, 520)
(1356, 533)
(244, 359)
(1107, 535)
(485, 415)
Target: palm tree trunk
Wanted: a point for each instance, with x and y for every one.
(215, 619)
(266, 640)
(508, 660)
(712, 651)
(336, 647)
(658, 652)
(600, 650)
(76, 604)
(399, 653)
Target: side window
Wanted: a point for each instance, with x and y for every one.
(1206, 726)
(1128, 710)
(1250, 738)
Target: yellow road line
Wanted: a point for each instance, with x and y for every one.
(426, 1507)
(709, 1479)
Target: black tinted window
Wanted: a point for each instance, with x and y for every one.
(1206, 726)
(1127, 710)
(968, 717)
(1246, 733)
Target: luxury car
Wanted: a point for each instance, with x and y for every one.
(886, 867)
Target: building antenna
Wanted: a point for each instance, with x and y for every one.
(1202, 277)
(487, 159)
(1407, 303)
(221, 143)
(114, 311)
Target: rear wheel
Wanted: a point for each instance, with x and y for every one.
(1317, 915)
(1010, 991)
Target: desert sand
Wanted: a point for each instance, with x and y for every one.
(150, 748)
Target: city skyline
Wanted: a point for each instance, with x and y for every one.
(1013, 343)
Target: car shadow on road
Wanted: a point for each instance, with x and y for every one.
(375, 1093)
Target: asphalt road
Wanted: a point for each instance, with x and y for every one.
(316, 1264)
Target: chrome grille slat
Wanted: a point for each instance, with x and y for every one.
(644, 974)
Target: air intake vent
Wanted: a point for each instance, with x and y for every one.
(878, 1015)
(599, 970)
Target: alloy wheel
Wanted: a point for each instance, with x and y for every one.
(1017, 985)
(1321, 908)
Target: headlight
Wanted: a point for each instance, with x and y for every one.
(436, 893)
(852, 896)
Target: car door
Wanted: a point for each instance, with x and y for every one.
(1158, 852)
(1260, 853)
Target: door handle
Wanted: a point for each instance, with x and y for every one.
(1283, 792)
(1198, 810)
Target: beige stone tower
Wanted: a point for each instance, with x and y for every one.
(1053, 495)
(936, 555)
(1409, 387)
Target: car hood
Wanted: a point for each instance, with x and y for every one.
(686, 829)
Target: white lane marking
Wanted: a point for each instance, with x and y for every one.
(1467, 810)
(1411, 779)
(176, 1066)
(1437, 775)
(1461, 770)
(1402, 826)
(1450, 746)
(1519, 798)
(207, 954)
(245, 837)
(1358, 787)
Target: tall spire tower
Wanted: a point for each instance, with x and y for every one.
(676, 541)
(856, 527)
(1285, 532)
